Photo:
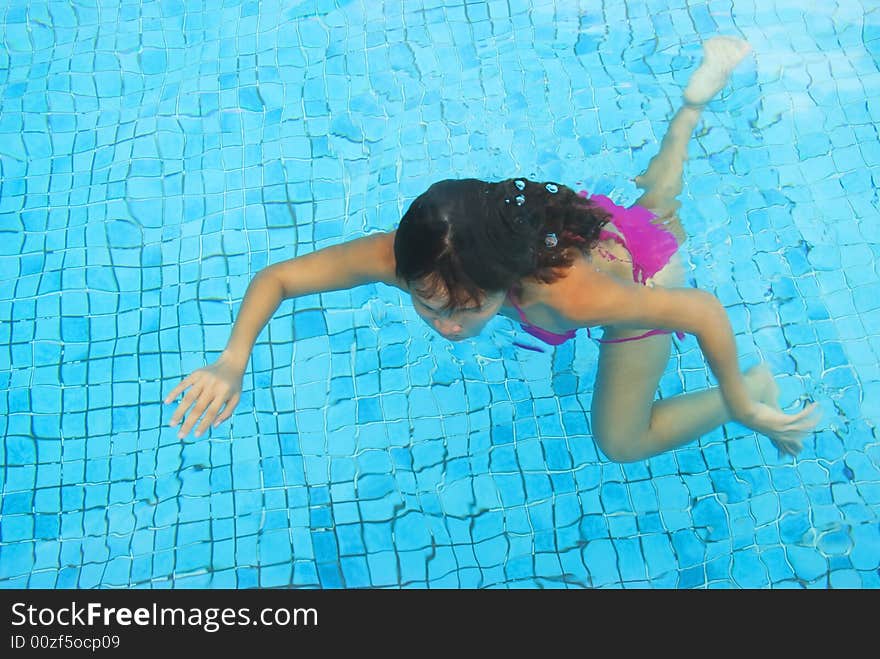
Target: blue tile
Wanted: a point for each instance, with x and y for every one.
(765, 508)
(748, 571)
(793, 527)
(845, 579)
(623, 526)
(690, 549)
(651, 523)
(567, 510)
(329, 575)
(614, 498)
(718, 572)
(304, 574)
(601, 560)
(491, 552)
(808, 563)
(644, 496)
(410, 532)
(692, 578)
(118, 303)
(866, 540)
(726, 482)
(355, 571)
(658, 555)
(711, 520)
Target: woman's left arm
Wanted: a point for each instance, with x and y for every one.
(687, 310)
(696, 312)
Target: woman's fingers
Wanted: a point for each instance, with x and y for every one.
(209, 390)
(796, 425)
(209, 417)
(226, 413)
(196, 413)
(807, 416)
(208, 399)
(787, 431)
(785, 448)
(187, 381)
(207, 408)
(191, 396)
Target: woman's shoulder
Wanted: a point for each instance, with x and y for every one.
(580, 295)
(385, 261)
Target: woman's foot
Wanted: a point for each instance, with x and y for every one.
(720, 57)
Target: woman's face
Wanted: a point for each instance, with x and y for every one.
(457, 324)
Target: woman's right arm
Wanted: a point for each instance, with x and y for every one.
(361, 261)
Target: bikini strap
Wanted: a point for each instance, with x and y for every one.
(604, 234)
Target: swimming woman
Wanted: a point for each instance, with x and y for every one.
(556, 262)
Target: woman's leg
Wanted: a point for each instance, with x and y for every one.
(662, 181)
(628, 424)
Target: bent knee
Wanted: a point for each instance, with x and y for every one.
(620, 447)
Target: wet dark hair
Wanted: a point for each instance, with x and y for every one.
(466, 237)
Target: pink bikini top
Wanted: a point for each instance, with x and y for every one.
(551, 338)
(650, 247)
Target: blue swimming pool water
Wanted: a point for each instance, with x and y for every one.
(155, 155)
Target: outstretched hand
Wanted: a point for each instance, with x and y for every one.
(786, 431)
(210, 388)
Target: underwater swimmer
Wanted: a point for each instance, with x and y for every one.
(556, 261)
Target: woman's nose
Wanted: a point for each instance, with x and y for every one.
(447, 326)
